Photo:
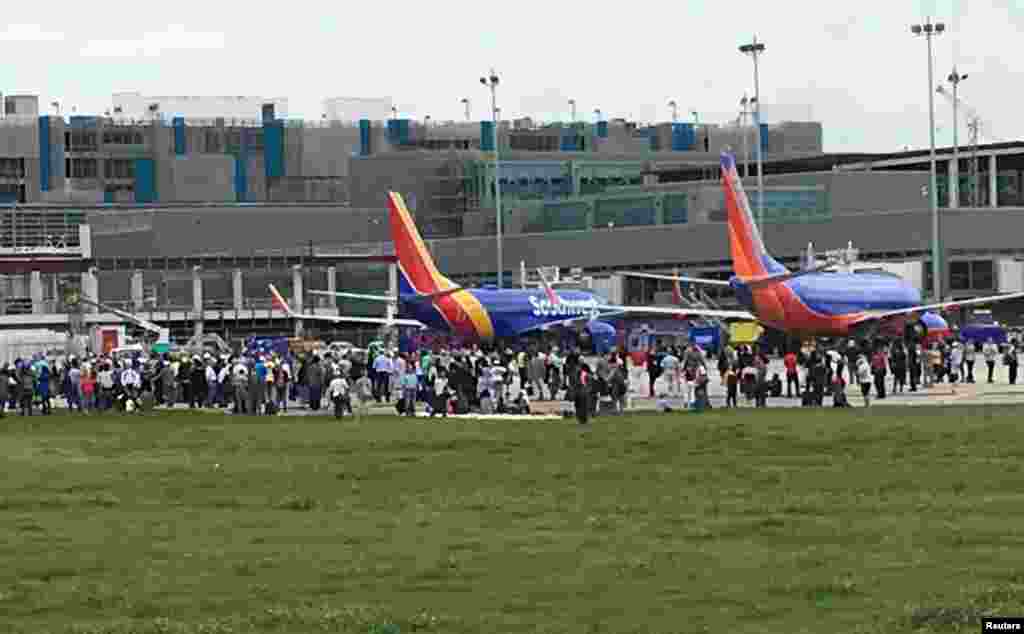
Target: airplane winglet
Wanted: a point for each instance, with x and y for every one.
(277, 301)
(550, 292)
(677, 288)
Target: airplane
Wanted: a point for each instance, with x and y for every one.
(427, 298)
(813, 302)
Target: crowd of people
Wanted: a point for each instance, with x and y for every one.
(465, 380)
(261, 383)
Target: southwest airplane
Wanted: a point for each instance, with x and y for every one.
(428, 299)
(813, 302)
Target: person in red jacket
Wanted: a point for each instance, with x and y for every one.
(792, 377)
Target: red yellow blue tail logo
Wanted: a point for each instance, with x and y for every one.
(418, 274)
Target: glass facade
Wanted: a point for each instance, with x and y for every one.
(789, 205)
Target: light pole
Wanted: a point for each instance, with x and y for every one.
(754, 49)
(492, 82)
(597, 113)
(954, 188)
(928, 30)
(465, 102)
(572, 110)
(696, 123)
(743, 133)
(675, 110)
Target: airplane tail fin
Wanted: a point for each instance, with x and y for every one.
(750, 259)
(277, 301)
(417, 273)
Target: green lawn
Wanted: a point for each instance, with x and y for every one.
(880, 520)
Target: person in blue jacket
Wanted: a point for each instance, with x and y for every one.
(43, 387)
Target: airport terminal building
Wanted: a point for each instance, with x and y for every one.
(198, 214)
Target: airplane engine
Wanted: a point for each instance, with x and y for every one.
(602, 335)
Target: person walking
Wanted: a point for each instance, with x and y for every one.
(970, 352)
(879, 368)
(864, 378)
(581, 393)
(990, 351)
(898, 365)
(1012, 360)
(337, 391)
(410, 383)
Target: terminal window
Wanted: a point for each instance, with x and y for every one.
(972, 275)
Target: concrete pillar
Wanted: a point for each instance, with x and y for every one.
(236, 288)
(297, 296)
(90, 289)
(392, 290)
(954, 184)
(197, 298)
(137, 294)
(36, 293)
(332, 286)
(993, 184)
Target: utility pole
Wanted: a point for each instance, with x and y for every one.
(743, 133)
(954, 187)
(928, 30)
(755, 49)
(492, 82)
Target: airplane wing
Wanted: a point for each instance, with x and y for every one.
(604, 312)
(753, 283)
(280, 304)
(615, 311)
(677, 278)
(425, 297)
(942, 306)
(770, 280)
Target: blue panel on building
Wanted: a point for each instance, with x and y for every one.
(393, 131)
(44, 153)
(364, 137)
(179, 135)
(273, 148)
(108, 196)
(242, 167)
(145, 181)
(764, 138)
(683, 137)
(487, 136)
(568, 141)
(602, 129)
(403, 131)
(82, 121)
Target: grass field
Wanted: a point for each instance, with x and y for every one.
(880, 520)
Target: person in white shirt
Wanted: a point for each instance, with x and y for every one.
(969, 355)
(440, 404)
(956, 360)
(337, 391)
(991, 352)
(222, 379)
(670, 367)
(398, 366)
(211, 384)
(382, 368)
(865, 378)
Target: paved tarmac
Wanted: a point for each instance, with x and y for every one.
(999, 392)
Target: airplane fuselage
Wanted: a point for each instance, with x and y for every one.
(485, 314)
(829, 304)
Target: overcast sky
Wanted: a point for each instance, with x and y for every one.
(854, 65)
